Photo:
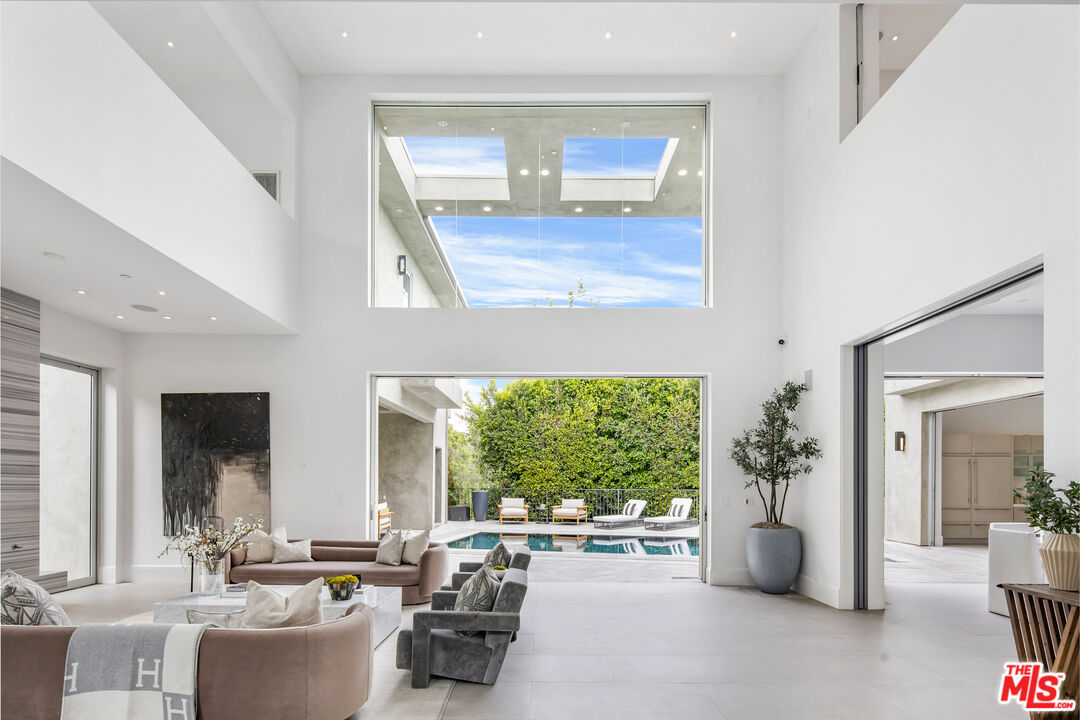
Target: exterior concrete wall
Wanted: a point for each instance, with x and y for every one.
(907, 473)
(406, 469)
(388, 292)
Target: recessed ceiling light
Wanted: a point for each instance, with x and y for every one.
(398, 210)
(166, 317)
(734, 34)
(54, 255)
(479, 34)
(385, 128)
(443, 123)
(487, 208)
(81, 292)
(344, 34)
(118, 317)
(171, 44)
(594, 129)
(524, 171)
(693, 127)
(161, 292)
(626, 209)
(492, 129)
(700, 173)
(626, 123)
(578, 209)
(554, 152)
(608, 34)
(213, 317)
(682, 172)
(545, 172)
(895, 38)
(438, 208)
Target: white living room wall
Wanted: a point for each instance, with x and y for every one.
(319, 380)
(966, 169)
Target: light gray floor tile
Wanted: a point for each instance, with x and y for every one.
(506, 700)
(639, 701)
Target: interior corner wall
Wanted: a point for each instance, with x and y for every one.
(963, 171)
(319, 380)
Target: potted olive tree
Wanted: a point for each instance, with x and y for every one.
(772, 458)
(1055, 511)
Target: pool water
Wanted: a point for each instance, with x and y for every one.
(605, 544)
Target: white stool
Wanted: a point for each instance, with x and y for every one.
(1014, 558)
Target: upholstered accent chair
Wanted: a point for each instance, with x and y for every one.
(513, 509)
(575, 510)
(433, 646)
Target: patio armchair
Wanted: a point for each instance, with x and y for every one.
(629, 517)
(520, 557)
(513, 509)
(678, 516)
(433, 647)
(385, 517)
(575, 510)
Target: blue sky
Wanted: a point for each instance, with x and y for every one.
(516, 261)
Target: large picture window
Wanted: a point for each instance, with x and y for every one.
(540, 206)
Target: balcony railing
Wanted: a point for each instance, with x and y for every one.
(600, 501)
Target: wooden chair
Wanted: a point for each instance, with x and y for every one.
(575, 510)
(385, 518)
(513, 509)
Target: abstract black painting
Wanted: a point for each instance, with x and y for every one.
(215, 457)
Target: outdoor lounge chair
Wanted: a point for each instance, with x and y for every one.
(432, 647)
(575, 510)
(678, 516)
(513, 509)
(629, 517)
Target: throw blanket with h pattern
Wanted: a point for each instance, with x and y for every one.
(143, 671)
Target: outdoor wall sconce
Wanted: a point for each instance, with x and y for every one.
(401, 265)
(900, 441)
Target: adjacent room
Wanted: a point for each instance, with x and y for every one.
(532, 360)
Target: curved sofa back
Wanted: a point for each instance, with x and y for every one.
(304, 673)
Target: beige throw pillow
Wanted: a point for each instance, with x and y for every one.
(221, 619)
(390, 547)
(260, 547)
(416, 543)
(299, 551)
(269, 609)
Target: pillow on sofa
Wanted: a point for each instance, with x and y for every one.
(269, 609)
(226, 620)
(415, 544)
(477, 594)
(299, 551)
(390, 548)
(498, 556)
(27, 603)
(260, 547)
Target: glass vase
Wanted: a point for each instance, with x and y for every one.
(211, 579)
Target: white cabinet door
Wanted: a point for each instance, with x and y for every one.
(956, 482)
(993, 485)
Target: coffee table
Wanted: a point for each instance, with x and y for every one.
(385, 602)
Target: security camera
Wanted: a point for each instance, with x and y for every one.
(782, 342)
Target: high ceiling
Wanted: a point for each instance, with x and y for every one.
(532, 38)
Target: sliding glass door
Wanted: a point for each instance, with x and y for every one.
(68, 470)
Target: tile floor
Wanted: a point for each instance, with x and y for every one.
(598, 647)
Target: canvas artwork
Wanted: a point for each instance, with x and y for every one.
(215, 457)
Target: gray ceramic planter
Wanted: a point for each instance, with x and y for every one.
(774, 557)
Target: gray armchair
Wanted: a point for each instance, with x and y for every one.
(433, 646)
(520, 557)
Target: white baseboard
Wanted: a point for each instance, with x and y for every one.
(817, 590)
(159, 574)
(730, 576)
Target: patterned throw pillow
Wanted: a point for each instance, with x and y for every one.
(477, 594)
(498, 556)
(27, 603)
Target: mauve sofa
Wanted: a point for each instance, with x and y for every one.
(318, 672)
(350, 557)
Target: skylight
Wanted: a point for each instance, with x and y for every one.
(612, 157)
(457, 156)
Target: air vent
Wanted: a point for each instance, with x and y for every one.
(269, 181)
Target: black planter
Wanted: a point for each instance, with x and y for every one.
(459, 513)
(342, 591)
(479, 504)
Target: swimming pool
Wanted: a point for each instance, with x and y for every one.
(605, 544)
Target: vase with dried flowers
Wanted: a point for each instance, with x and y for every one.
(208, 548)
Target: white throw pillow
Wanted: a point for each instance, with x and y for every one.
(24, 602)
(416, 542)
(230, 620)
(299, 551)
(260, 547)
(390, 548)
(269, 609)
